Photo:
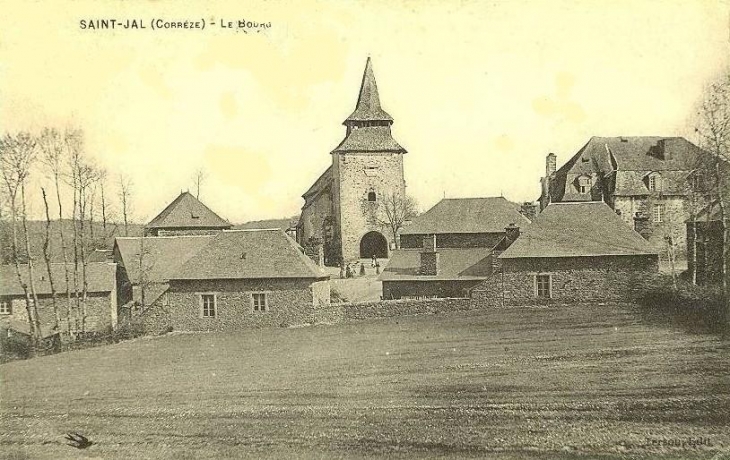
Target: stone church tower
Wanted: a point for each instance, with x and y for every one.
(344, 208)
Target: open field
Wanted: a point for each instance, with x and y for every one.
(569, 382)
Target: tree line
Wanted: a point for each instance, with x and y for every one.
(71, 186)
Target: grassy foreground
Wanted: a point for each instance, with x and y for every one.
(568, 382)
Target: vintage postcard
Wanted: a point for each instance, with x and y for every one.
(361, 229)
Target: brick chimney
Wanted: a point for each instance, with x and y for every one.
(529, 210)
(512, 232)
(551, 164)
(429, 257)
(641, 225)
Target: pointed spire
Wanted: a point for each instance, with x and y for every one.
(368, 102)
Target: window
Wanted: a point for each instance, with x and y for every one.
(371, 196)
(655, 182)
(6, 307)
(658, 213)
(208, 305)
(543, 286)
(584, 184)
(259, 301)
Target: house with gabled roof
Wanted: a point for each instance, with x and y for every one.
(225, 281)
(100, 306)
(448, 250)
(647, 178)
(578, 251)
(186, 215)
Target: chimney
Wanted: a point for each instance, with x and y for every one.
(529, 210)
(641, 225)
(512, 232)
(429, 257)
(551, 164)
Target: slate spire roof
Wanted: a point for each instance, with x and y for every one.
(186, 211)
(368, 102)
(368, 127)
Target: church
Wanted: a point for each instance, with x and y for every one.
(341, 209)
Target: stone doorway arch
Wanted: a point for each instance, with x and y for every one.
(373, 243)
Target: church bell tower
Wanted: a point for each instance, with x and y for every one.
(367, 170)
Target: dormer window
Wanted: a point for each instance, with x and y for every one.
(584, 184)
(654, 182)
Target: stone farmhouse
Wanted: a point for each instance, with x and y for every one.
(447, 251)
(186, 215)
(646, 180)
(339, 211)
(101, 303)
(229, 280)
(579, 251)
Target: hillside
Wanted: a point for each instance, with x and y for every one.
(549, 383)
(104, 239)
(283, 224)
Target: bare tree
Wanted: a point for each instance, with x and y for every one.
(125, 190)
(714, 133)
(200, 176)
(16, 156)
(54, 151)
(47, 258)
(392, 211)
(84, 177)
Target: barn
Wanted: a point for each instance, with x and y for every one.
(231, 280)
(571, 252)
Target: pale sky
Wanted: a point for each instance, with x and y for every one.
(480, 91)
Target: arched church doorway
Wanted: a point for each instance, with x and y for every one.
(373, 243)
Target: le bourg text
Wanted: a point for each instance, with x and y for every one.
(238, 25)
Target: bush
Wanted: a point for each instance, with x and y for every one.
(17, 346)
(693, 308)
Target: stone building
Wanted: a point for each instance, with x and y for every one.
(704, 246)
(448, 250)
(572, 252)
(230, 280)
(639, 177)
(341, 208)
(100, 305)
(186, 215)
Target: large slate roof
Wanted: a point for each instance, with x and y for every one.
(163, 255)
(454, 264)
(626, 161)
(467, 215)
(100, 277)
(246, 254)
(577, 230)
(186, 211)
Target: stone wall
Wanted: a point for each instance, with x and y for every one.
(355, 177)
(573, 279)
(101, 312)
(427, 289)
(290, 302)
(313, 218)
(676, 214)
(389, 308)
(453, 240)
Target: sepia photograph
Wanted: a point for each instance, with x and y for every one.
(365, 229)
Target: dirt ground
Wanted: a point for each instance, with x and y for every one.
(598, 381)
